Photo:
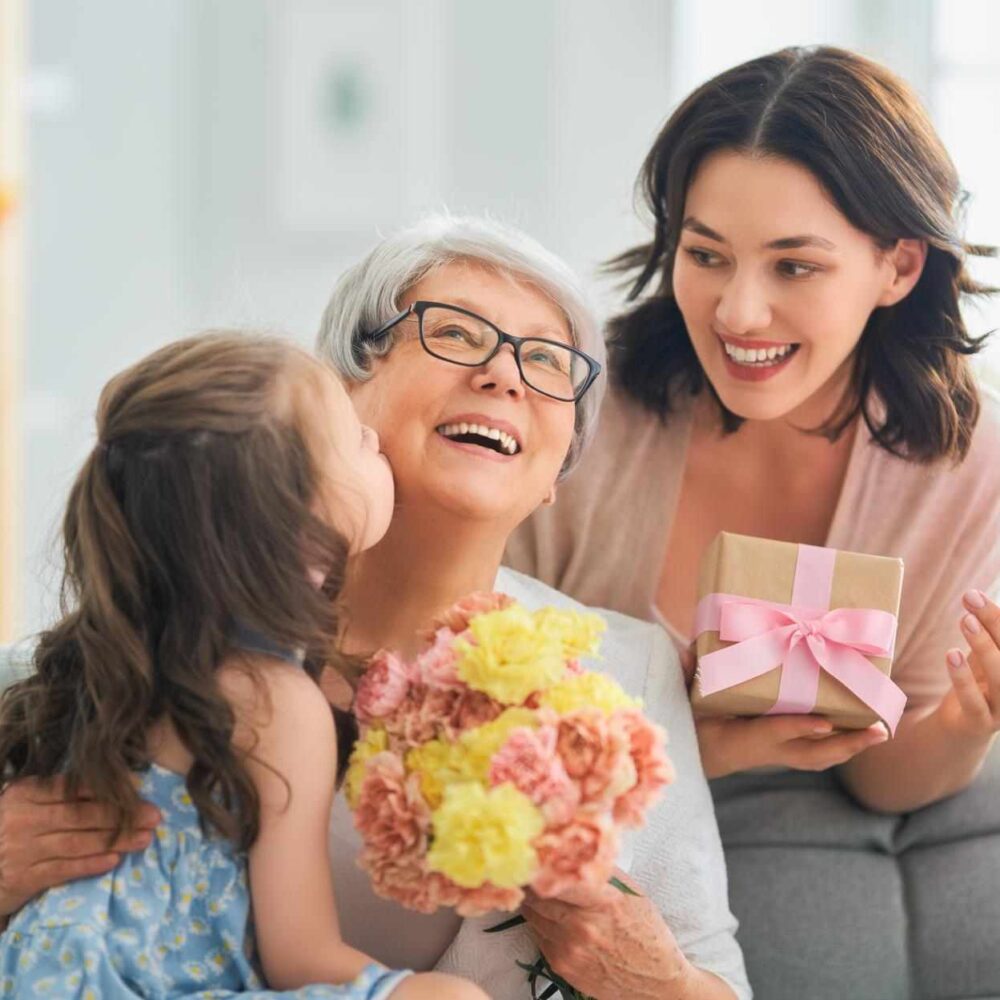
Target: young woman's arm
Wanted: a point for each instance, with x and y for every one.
(287, 722)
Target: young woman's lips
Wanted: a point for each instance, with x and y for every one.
(755, 372)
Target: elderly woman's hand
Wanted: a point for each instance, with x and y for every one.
(610, 945)
(46, 840)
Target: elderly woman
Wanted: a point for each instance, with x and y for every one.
(471, 351)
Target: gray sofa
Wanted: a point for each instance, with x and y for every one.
(837, 903)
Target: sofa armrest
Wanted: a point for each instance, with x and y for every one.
(15, 662)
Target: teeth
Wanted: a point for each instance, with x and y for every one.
(507, 443)
(756, 356)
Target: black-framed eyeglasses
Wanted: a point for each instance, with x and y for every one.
(461, 337)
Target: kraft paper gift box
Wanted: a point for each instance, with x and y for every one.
(785, 628)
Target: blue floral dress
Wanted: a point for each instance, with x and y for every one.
(171, 922)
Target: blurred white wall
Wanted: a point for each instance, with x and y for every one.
(196, 162)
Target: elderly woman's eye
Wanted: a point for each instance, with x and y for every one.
(456, 332)
(549, 357)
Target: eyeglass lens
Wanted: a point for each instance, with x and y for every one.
(465, 340)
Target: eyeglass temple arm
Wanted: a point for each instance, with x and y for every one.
(387, 326)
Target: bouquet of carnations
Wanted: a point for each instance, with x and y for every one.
(493, 762)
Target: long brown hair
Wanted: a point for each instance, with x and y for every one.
(191, 516)
(863, 134)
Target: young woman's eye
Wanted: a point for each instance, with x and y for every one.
(797, 269)
(702, 257)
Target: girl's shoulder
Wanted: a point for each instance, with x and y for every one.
(271, 697)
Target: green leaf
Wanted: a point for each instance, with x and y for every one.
(622, 887)
(514, 921)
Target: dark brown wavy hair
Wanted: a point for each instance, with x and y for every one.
(190, 516)
(864, 135)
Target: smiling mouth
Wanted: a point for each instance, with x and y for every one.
(486, 437)
(761, 357)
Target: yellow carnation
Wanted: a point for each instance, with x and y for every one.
(588, 690)
(374, 741)
(512, 656)
(481, 743)
(578, 632)
(439, 764)
(485, 835)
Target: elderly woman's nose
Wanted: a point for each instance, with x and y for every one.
(500, 374)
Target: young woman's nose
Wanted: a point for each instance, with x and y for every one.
(743, 307)
(500, 374)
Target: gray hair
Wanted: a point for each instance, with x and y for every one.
(368, 294)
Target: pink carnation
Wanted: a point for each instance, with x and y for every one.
(653, 768)
(383, 686)
(582, 851)
(472, 709)
(528, 760)
(458, 616)
(436, 665)
(391, 815)
(420, 716)
(429, 713)
(596, 752)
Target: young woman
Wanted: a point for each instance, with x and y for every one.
(796, 367)
(206, 540)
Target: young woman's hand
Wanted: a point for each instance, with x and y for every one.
(802, 742)
(971, 709)
(46, 840)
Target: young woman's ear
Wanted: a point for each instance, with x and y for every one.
(550, 497)
(906, 260)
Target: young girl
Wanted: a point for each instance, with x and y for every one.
(206, 540)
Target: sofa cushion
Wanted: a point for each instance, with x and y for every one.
(837, 902)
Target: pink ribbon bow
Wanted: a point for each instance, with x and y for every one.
(804, 640)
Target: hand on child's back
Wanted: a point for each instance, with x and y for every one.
(47, 840)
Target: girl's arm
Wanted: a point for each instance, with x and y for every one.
(285, 723)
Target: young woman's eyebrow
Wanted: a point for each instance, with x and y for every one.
(695, 226)
(785, 243)
(797, 242)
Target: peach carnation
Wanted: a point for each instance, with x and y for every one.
(595, 751)
(487, 898)
(528, 760)
(652, 766)
(581, 852)
(409, 882)
(458, 616)
(383, 686)
(391, 815)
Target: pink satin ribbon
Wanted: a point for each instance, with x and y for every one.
(804, 637)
